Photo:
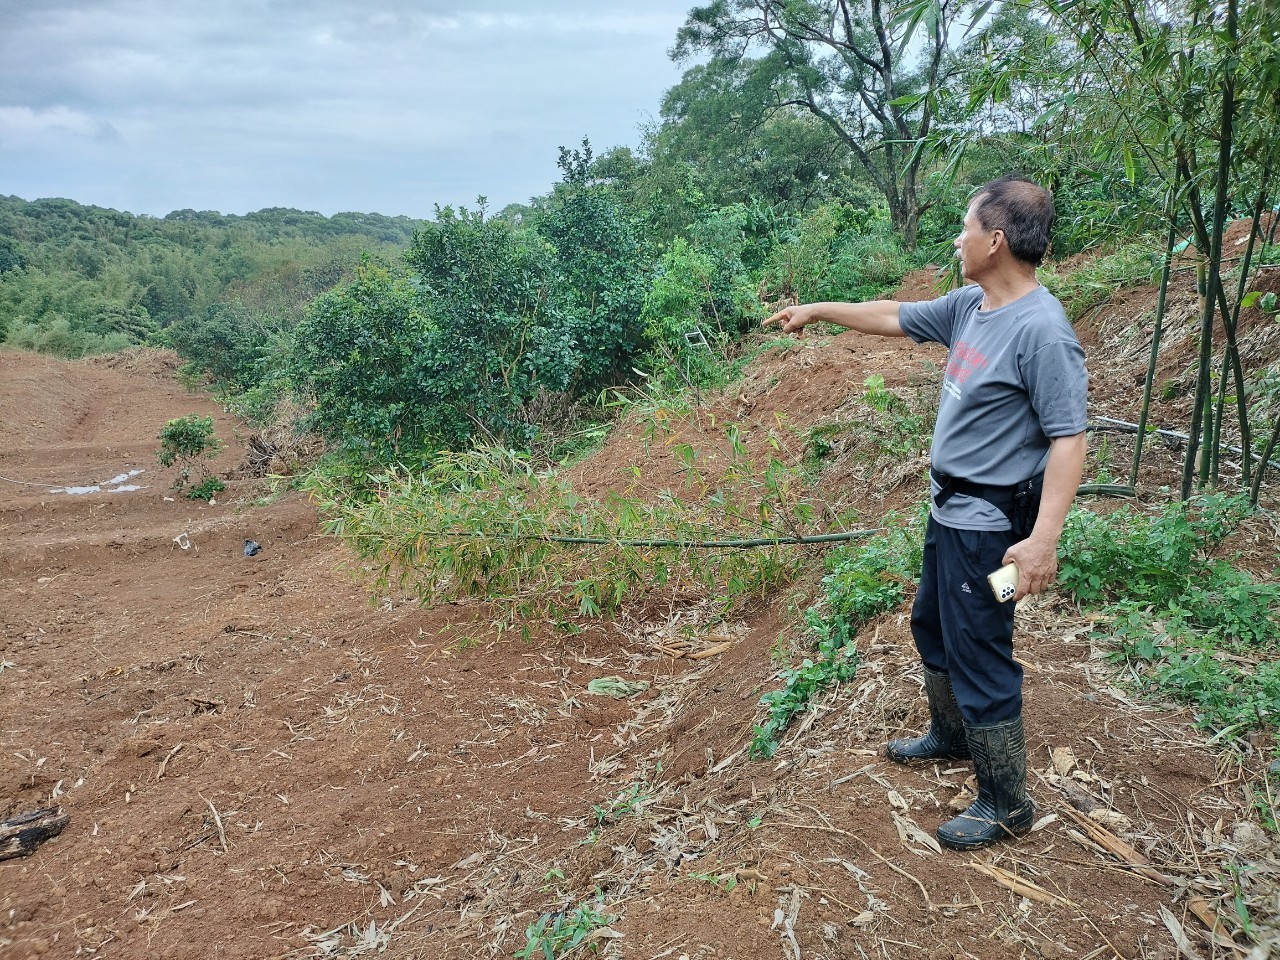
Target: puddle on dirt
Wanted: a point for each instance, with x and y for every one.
(115, 485)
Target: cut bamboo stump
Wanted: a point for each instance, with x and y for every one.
(21, 835)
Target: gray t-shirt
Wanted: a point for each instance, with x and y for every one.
(1015, 378)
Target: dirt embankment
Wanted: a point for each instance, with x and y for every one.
(260, 760)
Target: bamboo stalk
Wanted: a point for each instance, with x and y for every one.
(1242, 405)
(1158, 331)
(1202, 381)
(1256, 491)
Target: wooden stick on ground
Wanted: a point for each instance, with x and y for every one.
(21, 835)
(217, 822)
(1021, 886)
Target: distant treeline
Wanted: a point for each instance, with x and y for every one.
(78, 279)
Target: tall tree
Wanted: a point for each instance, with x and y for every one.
(721, 120)
(849, 65)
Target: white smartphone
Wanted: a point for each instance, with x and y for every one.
(1004, 582)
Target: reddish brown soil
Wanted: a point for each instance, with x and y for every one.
(261, 760)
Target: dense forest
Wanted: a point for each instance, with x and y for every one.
(76, 280)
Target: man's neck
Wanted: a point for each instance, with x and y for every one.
(1000, 291)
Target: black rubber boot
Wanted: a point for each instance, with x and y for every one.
(946, 737)
(1003, 810)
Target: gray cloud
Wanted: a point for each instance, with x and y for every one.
(391, 105)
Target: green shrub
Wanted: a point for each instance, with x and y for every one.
(230, 342)
(206, 489)
(600, 257)
(837, 252)
(55, 335)
(1132, 553)
(1193, 627)
(190, 443)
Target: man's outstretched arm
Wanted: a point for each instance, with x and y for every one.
(878, 317)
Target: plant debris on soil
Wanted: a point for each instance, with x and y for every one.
(259, 759)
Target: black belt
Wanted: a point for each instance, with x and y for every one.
(1003, 498)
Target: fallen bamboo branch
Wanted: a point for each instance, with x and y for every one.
(217, 822)
(1198, 906)
(711, 651)
(1022, 887)
(1113, 844)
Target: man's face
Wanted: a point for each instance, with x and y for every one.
(973, 246)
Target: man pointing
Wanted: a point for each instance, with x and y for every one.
(1008, 451)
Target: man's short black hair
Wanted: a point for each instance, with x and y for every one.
(1023, 210)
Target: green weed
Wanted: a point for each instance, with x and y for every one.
(206, 489)
(556, 935)
(721, 881)
(891, 428)
(1194, 628)
(862, 582)
(628, 803)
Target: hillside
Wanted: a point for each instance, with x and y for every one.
(260, 760)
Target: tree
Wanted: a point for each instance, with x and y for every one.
(722, 124)
(354, 355)
(11, 257)
(848, 65)
(227, 340)
(402, 365)
(602, 262)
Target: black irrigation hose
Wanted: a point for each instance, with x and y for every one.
(719, 544)
(683, 544)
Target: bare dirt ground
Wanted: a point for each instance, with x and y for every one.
(259, 759)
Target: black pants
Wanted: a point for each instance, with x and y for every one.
(959, 626)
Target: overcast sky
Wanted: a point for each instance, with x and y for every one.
(386, 106)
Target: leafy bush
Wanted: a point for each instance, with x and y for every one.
(837, 252)
(189, 442)
(55, 336)
(206, 489)
(1195, 628)
(601, 259)
(1131, 553)
(692, 310)
(354, 355)
(401, 366)
(230, 342)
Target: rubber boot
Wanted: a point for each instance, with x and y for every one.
(1003, 810)
(946, 737)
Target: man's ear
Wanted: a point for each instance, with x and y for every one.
(998, 239)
